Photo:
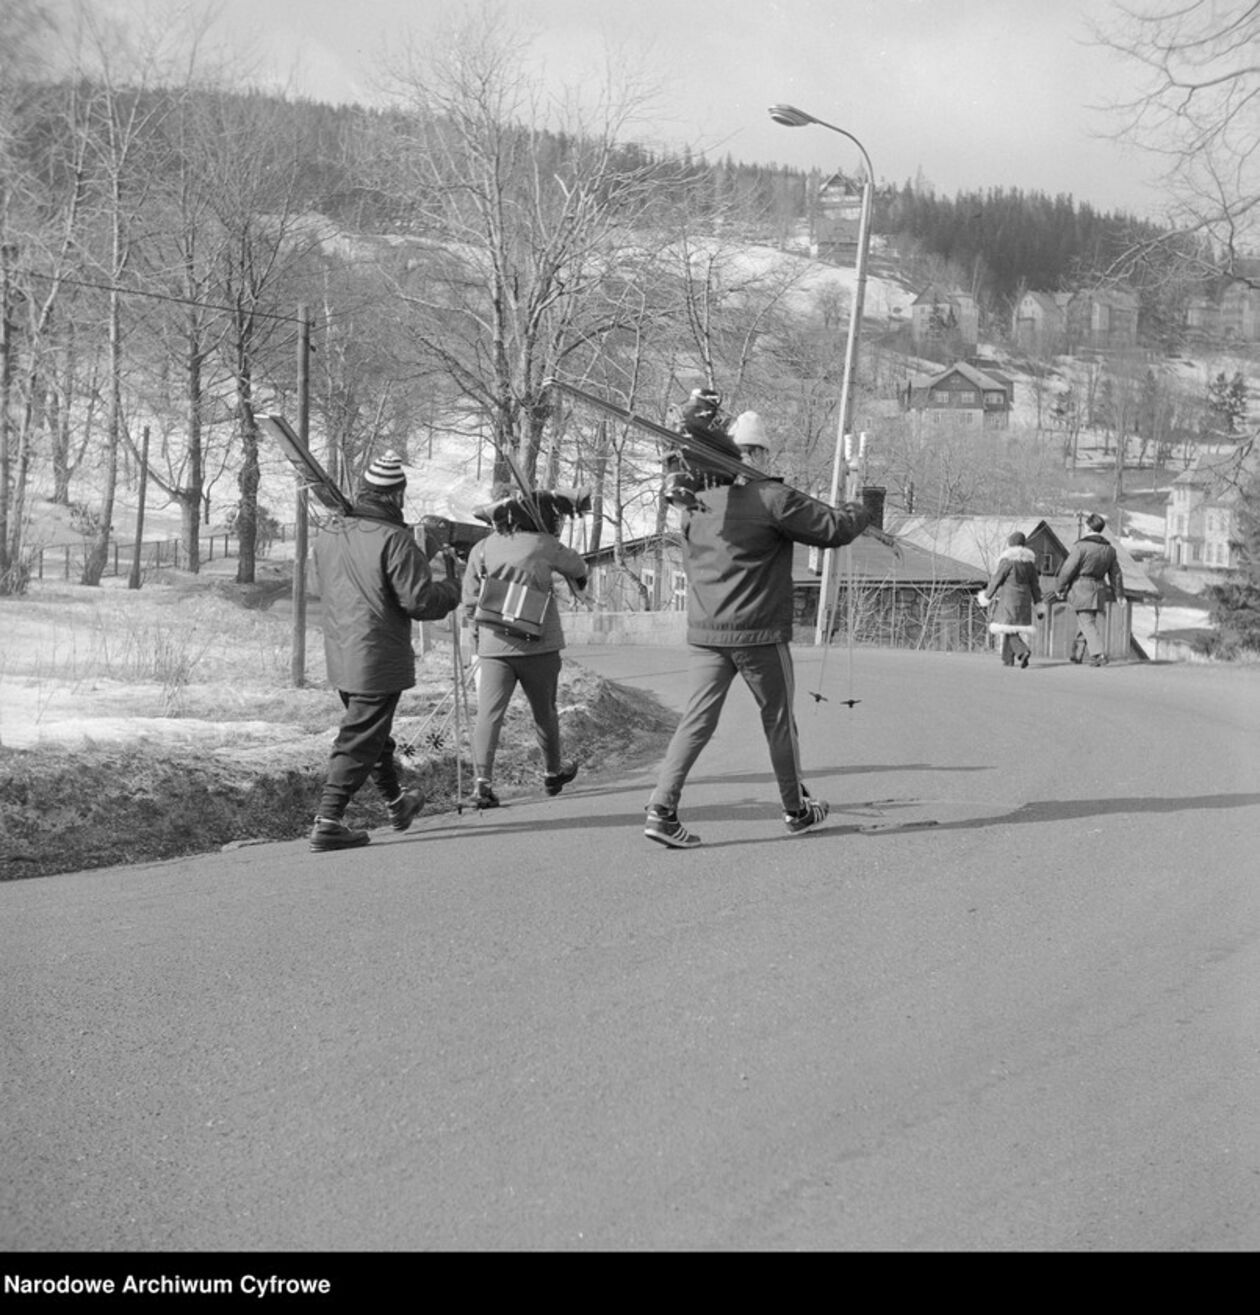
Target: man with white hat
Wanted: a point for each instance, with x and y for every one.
(750, 436)
(374, 580)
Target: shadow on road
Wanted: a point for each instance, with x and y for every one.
(759, 810)
(1068, 810)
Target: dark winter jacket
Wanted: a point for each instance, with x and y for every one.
(374, 580)
(1087, 569)
(738, 557)
(1012, 590)
(531, 558)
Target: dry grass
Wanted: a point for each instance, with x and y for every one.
(146, 724)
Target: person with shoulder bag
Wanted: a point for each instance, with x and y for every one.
(374, 580)
(508, 599)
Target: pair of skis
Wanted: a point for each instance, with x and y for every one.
(687, 446)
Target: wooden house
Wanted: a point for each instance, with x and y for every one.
(837, 223)
(962, 395)
(1102, 319)
(904, 597)
(980, 540)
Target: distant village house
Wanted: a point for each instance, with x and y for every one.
(960, 396)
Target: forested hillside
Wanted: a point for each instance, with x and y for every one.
(170, 239)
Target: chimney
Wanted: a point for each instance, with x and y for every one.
(873, 500)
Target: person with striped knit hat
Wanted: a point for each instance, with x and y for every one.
(374, 580)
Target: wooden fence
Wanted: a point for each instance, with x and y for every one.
(66, 560)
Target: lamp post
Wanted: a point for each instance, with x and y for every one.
(790, 117)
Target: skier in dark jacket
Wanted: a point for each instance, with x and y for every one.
(1084, 577)
(374, 581)
(738, 556)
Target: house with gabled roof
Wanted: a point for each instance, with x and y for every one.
(939, 315)
(1204, 502)
(1039, 321)
(896, 596)
(980, 540)
(962, 395)
(1102, 319)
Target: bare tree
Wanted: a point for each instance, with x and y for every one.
(522, 207)
(1196, 110)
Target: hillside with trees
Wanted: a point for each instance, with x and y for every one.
(169, 238)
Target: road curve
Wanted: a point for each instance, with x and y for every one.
(1006, 1000)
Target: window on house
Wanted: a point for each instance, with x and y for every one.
(966, 397)
(994, 399)
(1047, 566)
(648, 577)
(679, 599)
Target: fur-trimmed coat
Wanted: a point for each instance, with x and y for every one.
(1012, 591)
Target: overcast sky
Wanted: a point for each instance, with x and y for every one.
(972, 93)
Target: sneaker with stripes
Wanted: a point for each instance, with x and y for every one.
(664, 827)
(813, 812)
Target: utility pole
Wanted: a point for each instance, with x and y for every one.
(7, 253)
(300, 518)
(133, 580)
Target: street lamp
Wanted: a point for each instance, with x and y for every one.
(790, 117)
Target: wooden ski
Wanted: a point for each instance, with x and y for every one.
(685, 445)
(313, 477)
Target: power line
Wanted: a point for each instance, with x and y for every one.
(155, 296)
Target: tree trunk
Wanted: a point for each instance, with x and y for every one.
(98, 555)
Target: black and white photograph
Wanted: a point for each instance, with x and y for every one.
(625, 629)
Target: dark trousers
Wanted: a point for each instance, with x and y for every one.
(1013, 647)
(497, 679)
(364, 747)
(767, 671)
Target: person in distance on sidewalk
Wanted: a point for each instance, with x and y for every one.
(374, 580)
(1089, 579)
(737, 552)
(1012, 591)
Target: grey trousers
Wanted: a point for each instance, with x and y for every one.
(767, 671)
(539, 677)
(1091, 628)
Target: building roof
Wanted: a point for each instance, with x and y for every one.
(876, 563)
(1046, 300)
(1218, 471)
(980, 540)
(977, 378)
(872, 562)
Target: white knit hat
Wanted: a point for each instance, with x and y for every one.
(749, 430)
(386, 472)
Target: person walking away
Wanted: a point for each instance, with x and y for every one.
(374, 580)
(1012, 592)
(737, 552)
(520, 550)
(1087, 572)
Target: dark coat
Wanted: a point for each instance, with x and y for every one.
(1086, 571)
(1012, 591)
(531, 558)
(738, 557)
(374, 579)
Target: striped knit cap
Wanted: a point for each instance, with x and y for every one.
(386, 472)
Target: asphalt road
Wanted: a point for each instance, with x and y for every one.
(1007, 999)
